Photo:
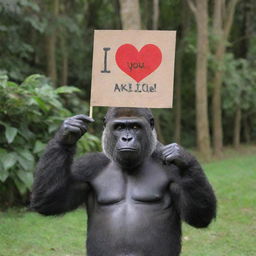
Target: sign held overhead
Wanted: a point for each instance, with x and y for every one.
(133, 68)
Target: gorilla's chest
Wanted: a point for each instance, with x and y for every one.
(147, 184)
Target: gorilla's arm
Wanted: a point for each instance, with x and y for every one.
(55, 189)
(194, 196)
(61, 185)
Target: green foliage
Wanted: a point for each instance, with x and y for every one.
(30, 113)
(239, 84)
(88, 143)
(18, 18)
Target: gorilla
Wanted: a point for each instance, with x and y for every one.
(136, 192)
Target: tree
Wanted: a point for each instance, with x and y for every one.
(130, 14)
(239, 92)
(64, 49)
(222, 21)
(200, 11)
(51, 40)
(181, 43)
(155, 14)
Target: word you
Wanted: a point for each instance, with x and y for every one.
(134, 65)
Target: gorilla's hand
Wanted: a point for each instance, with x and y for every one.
(175, 154)
(73, 129)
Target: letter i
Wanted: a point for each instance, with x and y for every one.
(105, 49)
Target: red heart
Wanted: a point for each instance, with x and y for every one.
(138, 64)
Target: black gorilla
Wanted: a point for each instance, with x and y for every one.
(136, 192)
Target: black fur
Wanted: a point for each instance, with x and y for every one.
(136, 194)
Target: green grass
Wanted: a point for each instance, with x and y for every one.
(234, 231)
(232, 234)
(30, 234)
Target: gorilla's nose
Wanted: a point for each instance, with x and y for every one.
(126, 138)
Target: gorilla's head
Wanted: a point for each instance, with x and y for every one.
(129, 135)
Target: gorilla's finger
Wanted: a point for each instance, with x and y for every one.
(72, 121)
(166, 153)
(82, 127)
(169, 152)
(76, 122)
(171, 158)
(173, 146)
(167, 147)
(170, 147)
(69, 128)
(84, 118)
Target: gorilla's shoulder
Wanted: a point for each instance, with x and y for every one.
(89, 165)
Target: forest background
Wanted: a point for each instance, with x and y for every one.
(45, 76)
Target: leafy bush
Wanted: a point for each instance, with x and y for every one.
(239, 85)
(30, 113)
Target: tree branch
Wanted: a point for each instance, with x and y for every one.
(155, 14)
(229, 17)
(192, 6)
(217, 19)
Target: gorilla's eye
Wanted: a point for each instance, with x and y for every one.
(119, 126)
(136, 126)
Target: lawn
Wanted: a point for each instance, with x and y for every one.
(232, 234)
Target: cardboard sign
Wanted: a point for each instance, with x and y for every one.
(133, 68)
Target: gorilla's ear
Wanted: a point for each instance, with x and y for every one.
(152, 123)
(104, 122)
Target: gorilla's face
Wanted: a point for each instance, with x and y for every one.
(129, 140)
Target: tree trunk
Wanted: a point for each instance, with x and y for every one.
(51, 61)
(155, 14)
(217, 106)
(64, 6)
(222, 22)
(118, 24)
(246, 126)
(51, 46)
(160, 136)
(64, 61)
(177, 98)
(178, 73)
(237, 128)
(200, 9)
(130, 14)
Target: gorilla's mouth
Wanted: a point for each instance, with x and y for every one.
(127, 149)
